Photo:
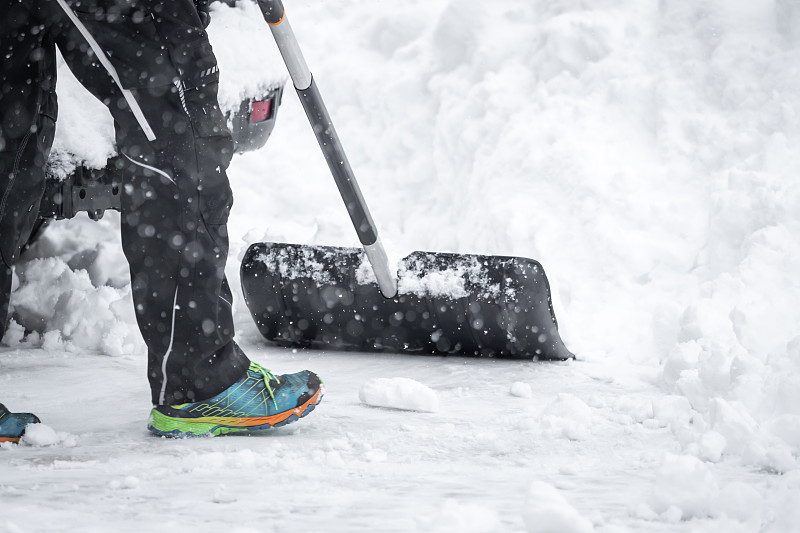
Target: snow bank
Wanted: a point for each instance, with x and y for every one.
(399, 393)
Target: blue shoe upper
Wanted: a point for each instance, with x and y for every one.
(12, 425)
(258, 394)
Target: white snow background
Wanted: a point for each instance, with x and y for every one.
(646, 152)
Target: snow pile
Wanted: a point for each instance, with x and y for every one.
(548, 511)
(249, 71)
(686, 488)
(84, 129)
(63, 304)
(74, 298)
(399, 393)
(732, 349)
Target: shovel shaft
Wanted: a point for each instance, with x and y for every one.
(330, 144)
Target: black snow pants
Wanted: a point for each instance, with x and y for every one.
(175, 198)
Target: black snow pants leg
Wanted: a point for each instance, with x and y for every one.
(27, 125)
(176, 197)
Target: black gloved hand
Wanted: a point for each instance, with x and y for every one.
(203, 11)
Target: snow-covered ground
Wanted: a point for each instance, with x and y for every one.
(645, 152)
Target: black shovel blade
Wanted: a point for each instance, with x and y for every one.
(327, 297)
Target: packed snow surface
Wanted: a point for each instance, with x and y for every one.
(645, 152)
(547, 511)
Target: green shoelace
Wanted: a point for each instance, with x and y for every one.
(268, 376)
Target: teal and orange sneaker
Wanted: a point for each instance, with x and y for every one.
(260, 400)
(12, 425)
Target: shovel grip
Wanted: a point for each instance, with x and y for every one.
(273, 11)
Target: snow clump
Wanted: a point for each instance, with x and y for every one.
(521, 390)
(399, 393)
(43, 435)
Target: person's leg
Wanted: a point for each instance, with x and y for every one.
(175, 204)
(174, 235)
(27, 125)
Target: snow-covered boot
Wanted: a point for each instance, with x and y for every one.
(260, 400)
(12, 425)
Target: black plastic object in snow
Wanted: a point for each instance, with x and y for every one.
(253, 123)
(325, 297)
(90, 190)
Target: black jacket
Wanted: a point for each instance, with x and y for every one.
(135, 23)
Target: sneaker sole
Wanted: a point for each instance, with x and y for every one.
(167, 426)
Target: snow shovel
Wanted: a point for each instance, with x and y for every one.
(350, 299)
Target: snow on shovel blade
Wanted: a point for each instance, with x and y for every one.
(327, 297)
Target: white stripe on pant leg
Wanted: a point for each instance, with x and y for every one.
(148, 167)
(169, 351)
(101, 56)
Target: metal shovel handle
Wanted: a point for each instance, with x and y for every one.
(318, 116)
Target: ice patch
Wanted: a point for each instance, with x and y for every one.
(399, 393)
